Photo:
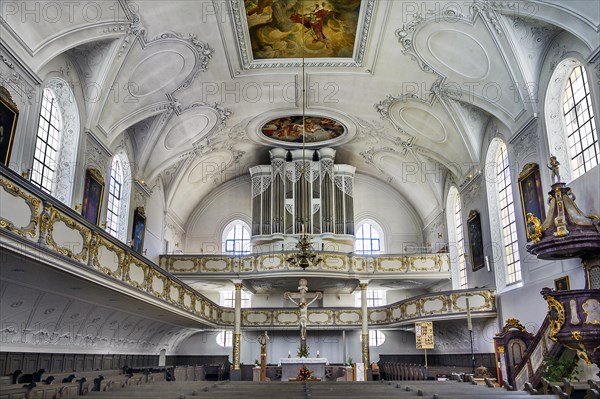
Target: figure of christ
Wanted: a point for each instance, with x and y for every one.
(303, 299)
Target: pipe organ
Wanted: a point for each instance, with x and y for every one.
(302, 191)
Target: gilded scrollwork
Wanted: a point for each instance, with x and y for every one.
(96, 242)
(205, 265)
(556, 315)
(150, 284)
(56, 216)
(127, 272)
(445, 301)
(342, 260)
(34, 206)
(170, 264)
(488, 300)
(236, 351)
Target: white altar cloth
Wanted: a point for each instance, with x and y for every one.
(290, 366)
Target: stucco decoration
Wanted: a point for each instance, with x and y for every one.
(69, 139)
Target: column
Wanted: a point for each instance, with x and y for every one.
(237, 325)
(365, 325)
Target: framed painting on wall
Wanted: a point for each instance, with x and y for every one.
(139, 229)
(562, 284)
(8, 124)
(475, 240)
(530, 188)
(92, 195)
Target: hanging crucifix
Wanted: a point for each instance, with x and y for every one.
(303, 299)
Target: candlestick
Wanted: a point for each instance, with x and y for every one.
(317, 353)
(289, 354)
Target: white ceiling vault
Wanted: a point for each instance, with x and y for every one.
(425, 77)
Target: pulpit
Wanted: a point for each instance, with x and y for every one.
(291, 365)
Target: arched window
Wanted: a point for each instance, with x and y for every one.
(114, 198)
(236, 238)
(119, 186)
(582, 135)
(47, 142)
(507, 216)
(376, 338)
(460, 243)
(225, 339)
(56, 143)
(368, 239)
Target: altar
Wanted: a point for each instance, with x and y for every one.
(291, 365)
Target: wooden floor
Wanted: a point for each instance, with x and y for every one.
(315, 389)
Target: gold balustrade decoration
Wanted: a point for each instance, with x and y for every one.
(41, 222)
(437, 265)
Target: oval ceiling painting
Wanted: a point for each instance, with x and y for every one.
(316, 129)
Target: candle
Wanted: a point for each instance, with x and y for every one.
(317, 353)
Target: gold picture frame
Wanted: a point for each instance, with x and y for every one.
(9, 114)
(530, 190)
(93, 195)
(562, 284)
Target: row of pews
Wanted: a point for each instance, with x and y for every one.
(313, 389)
(402, 371)
(38, 385)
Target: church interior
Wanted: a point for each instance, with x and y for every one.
(229, 190)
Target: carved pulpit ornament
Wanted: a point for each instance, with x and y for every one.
(569, 233)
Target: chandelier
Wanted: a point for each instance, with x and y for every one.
(305, 255)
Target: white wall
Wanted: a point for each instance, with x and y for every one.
(226, 203)
(376, 200)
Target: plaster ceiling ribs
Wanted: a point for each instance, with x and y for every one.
(458, 46)
(154, 72)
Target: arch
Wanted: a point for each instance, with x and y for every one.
(236, 238)
(369, 237)
(505, 248)
(456, 242)
(57, 141)
(564, 138)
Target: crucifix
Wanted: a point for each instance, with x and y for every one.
(303, 299)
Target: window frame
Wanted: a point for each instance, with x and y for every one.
(360, 237)
(460, 242)
(506, 207)
(113, 209)
(245, 240)
(52, 118)
(572, 115)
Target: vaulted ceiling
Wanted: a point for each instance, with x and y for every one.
(415, 92)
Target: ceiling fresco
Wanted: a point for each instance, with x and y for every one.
(302, 29)
(316, 129)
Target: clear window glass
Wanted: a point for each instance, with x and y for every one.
(582, 135)
(507, 216)
(47, 143)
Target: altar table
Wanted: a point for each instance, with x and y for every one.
(291, 365)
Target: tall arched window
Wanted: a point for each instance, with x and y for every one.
(368, 238)
(507, 216)
(236, 238)
(47, 142)
(582, 135)
(460, 243)
(115, 187)
(119, 190)
(55, 153)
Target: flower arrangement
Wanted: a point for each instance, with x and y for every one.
(304, 373)
(303, 352)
